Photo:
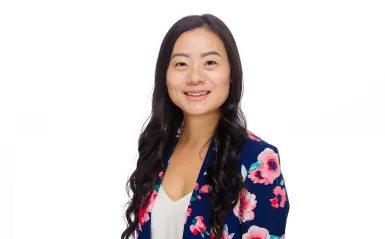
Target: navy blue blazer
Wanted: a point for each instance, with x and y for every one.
(261, 211)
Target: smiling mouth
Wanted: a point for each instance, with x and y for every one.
(196, 94)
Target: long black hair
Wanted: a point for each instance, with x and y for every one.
(166, 118)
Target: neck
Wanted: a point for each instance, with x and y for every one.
(197, 130)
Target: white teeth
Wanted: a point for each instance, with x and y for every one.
(197, 94)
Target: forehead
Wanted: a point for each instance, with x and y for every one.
(199, 40)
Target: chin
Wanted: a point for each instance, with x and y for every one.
(197, 110)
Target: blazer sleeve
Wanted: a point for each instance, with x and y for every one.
(263, 206)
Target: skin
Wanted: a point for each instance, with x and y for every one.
(196, 72)
(199, 62)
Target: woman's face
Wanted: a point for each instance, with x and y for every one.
(198, 76)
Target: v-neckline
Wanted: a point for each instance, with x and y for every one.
(201, 170)
(177, 201)
(191, 196)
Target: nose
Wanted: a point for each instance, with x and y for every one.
(196, 76)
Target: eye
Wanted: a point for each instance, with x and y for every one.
(210, 63)
(180, 64)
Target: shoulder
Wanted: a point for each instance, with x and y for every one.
(255, 145)
(258, 153)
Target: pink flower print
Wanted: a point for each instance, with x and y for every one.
(245, 206)
(151, 200)
(268, 170)
(283, 236)
(143, 216)
(205, 189)
(161, 174)
(252, 136)
(188, 213)
(196, 191)
(143, 212)
(256, 175)
(225, 234)
(256, 232)
(270, 164)
(198, 226)
(274, 202)
(280, 198)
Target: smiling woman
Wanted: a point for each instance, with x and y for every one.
(200, 172)
(198, 76)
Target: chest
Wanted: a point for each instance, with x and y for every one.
(184, 176)
(182, 172)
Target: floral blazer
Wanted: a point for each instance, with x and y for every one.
(261, 211)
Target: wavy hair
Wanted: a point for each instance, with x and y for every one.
(166, 118)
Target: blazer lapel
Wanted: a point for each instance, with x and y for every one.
(198, 212)
(146, 233)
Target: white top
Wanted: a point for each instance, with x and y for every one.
(168, 217)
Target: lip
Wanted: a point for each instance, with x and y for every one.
(196, 91)
(196, 98)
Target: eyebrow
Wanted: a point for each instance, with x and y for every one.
(202, 54)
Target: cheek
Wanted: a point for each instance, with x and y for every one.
(223, 93)
(173, 85)
(222, 83)
(171, 89)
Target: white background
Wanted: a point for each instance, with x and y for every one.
(75, 89)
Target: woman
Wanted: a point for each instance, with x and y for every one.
(200, 172)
